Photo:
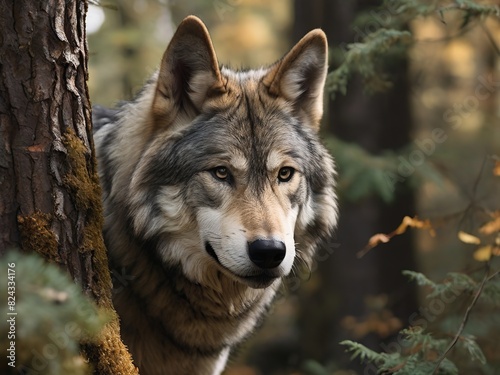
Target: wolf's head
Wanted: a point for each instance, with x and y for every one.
(231, 177)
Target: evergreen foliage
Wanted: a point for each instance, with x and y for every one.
(364, 58)
(420, 349)
(459, 341)
(371, 60)
(364, 174)
(53, 317)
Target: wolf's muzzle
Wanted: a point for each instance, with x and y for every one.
(266, 254)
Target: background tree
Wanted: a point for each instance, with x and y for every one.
(49, 192)
(444, 335)
(372, 287)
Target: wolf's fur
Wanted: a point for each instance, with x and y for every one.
(204, 162)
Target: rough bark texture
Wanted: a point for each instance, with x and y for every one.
(49, 190)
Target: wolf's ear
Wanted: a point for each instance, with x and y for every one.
(189, 72)
(300, 76)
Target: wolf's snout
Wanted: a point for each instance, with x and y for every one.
(266, 253)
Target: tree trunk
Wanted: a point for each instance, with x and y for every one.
(377, 123)
(49, 190)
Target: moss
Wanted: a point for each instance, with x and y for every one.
(83, 182)
(106, 351)
(81, 178)
(37, 236)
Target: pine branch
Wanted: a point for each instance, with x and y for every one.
(362, 352)
(57, 312)
(363, 57)
(464, 320)
(493, 275)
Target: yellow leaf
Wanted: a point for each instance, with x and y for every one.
(414, 222)
(378, 238)
(468, 238)
(407, 221)
(496, 168)
(372, 242)
(491, 226)
(483, 254)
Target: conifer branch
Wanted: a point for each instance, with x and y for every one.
(464, 320)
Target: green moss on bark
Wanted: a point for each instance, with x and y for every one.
(106, 351)
(37, 236)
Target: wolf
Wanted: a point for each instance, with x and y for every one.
(215, 184)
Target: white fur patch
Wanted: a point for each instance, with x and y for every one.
(174, 209)
(274, 161)
(243, 76)
(221, 362)
(306, 214)
(289, 259)
(292, 83)
(238, 161)
(199, 85)
(226, 237)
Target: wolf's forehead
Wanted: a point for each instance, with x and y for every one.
(254, 128)
(259, 151)
(242, 161)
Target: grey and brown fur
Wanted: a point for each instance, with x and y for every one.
(214, 185)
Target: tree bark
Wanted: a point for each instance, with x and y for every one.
(49, 190)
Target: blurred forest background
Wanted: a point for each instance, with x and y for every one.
(413, 115)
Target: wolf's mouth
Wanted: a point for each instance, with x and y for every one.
(260, 280)
(211, 251)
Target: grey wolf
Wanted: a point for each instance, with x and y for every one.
(214, 185)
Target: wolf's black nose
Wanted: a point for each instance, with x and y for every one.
(266, 253)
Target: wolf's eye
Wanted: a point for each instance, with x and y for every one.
(221, 173)
(285, 174)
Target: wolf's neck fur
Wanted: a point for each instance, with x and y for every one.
(173, 325)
